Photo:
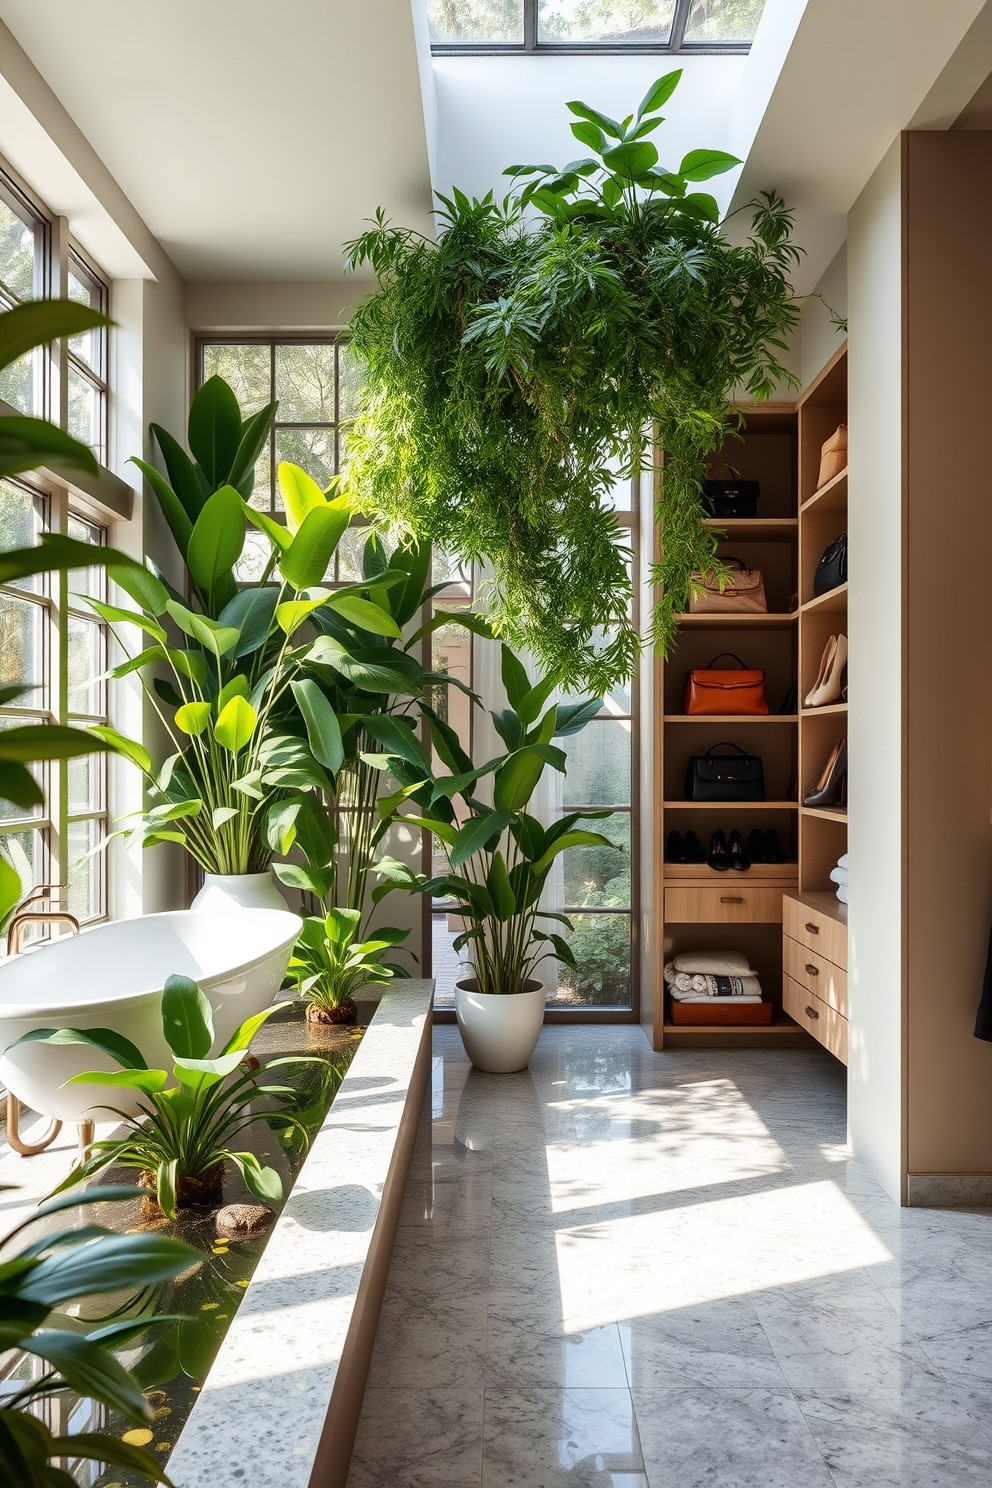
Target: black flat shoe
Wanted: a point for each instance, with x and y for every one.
(773, 849)
(695, 852)
(738, 852)
(757, 848)
(675, 849)
(831, 789)
(717, 857)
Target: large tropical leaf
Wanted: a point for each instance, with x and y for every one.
(89, 1369)
(254, 434)
(215, 430)
(307, 559)
(477, 834)
(112, 1264)
(323, 729)
(29, 443)
(300, 493)
(251, 613)
(187, 1018)
(172, 508)
(217, 538)
(55, 551)
(182, 474)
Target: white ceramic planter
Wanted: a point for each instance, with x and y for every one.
(223, 891)
(500, 1033)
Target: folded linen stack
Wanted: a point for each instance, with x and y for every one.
(838, 876)
(712, 977)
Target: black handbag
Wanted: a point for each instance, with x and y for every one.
(831, 570)
(725, 777)
(732, 498)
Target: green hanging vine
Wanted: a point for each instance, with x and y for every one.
(513, 362)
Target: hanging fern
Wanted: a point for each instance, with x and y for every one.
(513, 362)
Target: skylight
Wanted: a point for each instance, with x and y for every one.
(514, 26)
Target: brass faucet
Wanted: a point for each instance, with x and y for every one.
(23, 917)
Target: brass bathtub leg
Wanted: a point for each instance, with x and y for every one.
(87, 1131)
(14, 1109)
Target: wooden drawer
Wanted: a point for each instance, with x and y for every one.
(826, 1025)
(731, 904)
(815, 973)
(818, 927)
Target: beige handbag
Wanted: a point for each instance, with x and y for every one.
(833, 456)
(743, 592)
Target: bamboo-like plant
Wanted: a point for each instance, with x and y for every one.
(61, 1267)
(515, 363)
(182, 1139)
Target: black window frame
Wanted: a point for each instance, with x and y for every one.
(531, 46)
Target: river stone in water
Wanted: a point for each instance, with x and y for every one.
(243, 1219)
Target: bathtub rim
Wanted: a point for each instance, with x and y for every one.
(10, 1011)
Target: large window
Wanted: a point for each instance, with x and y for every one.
(58, 651)
(593, 25)
(34, 256)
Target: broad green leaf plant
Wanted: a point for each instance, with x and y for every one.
(513, 365)
(183, 1139)
(47, 1274)
(331, 961)
(500, 855)
(254, 738)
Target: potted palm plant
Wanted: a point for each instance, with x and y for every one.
(499, 858)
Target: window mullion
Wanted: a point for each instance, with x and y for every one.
(58, 681)
(530, 25)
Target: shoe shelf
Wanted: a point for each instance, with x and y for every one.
(834, 602)
(831, 497)
(780, 448)
(829, 710)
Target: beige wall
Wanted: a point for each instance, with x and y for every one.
(263, 308)
(948, 698)
(819, 337)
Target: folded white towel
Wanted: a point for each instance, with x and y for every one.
(842, 861)
(839, 876)
(842, 893)
(721, 1001)
(714, 963)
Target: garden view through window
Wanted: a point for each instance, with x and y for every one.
(530, 25)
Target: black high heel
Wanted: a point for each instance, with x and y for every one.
(694, 849)
(675, 848)
(831, 789)
(773, 848)
(717, 857)
(738, 852)
(757, 847)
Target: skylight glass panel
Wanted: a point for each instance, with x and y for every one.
(604, 22)
(462, 22)
(722, 21)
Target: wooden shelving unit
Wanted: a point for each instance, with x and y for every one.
(701, 908)
(698, 907)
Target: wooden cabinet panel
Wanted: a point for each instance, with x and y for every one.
(826, 1025)
(816, 921)
(733, 904)
(815, 973)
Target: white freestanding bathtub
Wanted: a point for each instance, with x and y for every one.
(112, 976)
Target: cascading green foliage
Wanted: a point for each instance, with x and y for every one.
(513, 363)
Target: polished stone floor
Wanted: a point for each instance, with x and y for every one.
(666, 1271)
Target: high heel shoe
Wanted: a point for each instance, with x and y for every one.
(738, 852)
(675, 848)
(831, 789)
(773, 848)
(717, 857)
(830, 678)
(694, 850)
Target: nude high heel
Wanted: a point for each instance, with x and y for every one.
(829, 683)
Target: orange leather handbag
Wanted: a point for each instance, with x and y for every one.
(730, 690)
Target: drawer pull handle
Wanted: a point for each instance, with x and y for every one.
(811, 969)
(727, 899)
(812, 1013)
(813, 929)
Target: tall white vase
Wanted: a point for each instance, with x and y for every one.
(222, 892)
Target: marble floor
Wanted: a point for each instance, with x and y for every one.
(666, 1271)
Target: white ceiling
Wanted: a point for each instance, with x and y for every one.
(252, 137)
